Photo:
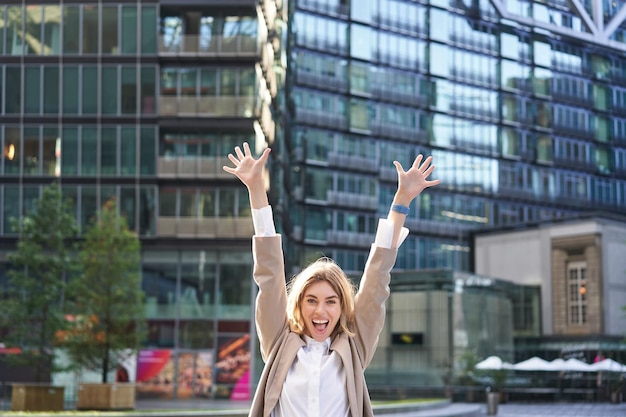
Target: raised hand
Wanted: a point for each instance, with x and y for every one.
(249, 171)
(413, 181)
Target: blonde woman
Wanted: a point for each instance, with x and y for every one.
(316, 334)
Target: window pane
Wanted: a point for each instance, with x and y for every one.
(89, 206)
(90, 90)
(89, 165)
(167, 202)
(128, 149)
(108, 152)
(148, 151)
(51, 90)
(3, 23)
(34, 16)
(13, 149)
(71, 19)
(227, 202)
(129, 90)
(148, 30)
(49, 158)
(128, 205)
(148, 88)
(109, 90)
(31, 90)
(109, 30)
(52, 30)
(69, 151)
(129, 29)
(30, 153)
(13, 97)
(70, 90)
(90, 29)
(11, 206)
(147, 211)
(14, 34)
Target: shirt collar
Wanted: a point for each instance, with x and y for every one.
(312, 343)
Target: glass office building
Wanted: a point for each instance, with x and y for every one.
(143, 101)
(521, 103)
(523, 106)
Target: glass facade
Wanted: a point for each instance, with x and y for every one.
(524, 125)
(143, 101)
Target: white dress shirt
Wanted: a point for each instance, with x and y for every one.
(316, 383)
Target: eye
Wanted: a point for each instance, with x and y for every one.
(311, 300)
(333, 301)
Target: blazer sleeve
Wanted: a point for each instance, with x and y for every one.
(271, 300)
(369, 303)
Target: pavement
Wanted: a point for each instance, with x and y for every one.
(435, 408)
(441, 408)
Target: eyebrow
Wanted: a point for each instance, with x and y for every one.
(327, 298)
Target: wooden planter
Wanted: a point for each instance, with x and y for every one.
(106, 397)
(37, 397)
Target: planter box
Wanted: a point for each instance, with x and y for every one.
(106, 397)
(37, 397)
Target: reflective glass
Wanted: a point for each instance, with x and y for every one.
(148, 30)
(89, 147)
(52, 30)
(30, 151)
(148, 90)
(108, 151)
(361, 42)
(51, 157)
(70, 89)
(71, 22)
(129, 29)
(129, 90)
(128, 151)
(109, 30)
(90, 28)
(32, 90)
(234, 297)
(90, 89)
(148, 150)
(14, 36)
(13, 96)
(69, 151)
(51, 90)
(3, 24)
(109, 90)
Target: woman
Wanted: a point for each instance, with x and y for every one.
(317, 339)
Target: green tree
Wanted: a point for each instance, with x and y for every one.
(108, 312)
(32, 311)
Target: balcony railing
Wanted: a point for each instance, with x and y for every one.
(214, 227)
(230, 106)
(195, 45)
(192, 167)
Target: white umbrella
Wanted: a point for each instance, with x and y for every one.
(574, 364)
(608, 365)
(493, 362)
(534, 364)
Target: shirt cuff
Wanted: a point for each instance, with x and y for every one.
(384, 234)
(263, 221)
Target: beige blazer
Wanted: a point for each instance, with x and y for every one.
(279, 345)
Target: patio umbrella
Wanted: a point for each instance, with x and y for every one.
(534, 364)
(609, 365)
(493, 362)
(575, 365)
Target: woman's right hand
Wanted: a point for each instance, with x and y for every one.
(248, 169)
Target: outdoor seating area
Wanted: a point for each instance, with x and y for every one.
(538, 379)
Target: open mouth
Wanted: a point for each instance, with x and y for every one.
(320, 325)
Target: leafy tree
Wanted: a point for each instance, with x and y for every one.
(108, 312)
(32, 309)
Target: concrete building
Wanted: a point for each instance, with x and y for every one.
(580, 266)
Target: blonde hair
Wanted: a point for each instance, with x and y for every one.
(324, 269)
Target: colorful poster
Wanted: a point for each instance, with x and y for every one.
(155, 373)
(233, 368)
(194, 374)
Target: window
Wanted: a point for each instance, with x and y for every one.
(577, 292)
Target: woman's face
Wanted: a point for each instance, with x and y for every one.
(321, 310)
